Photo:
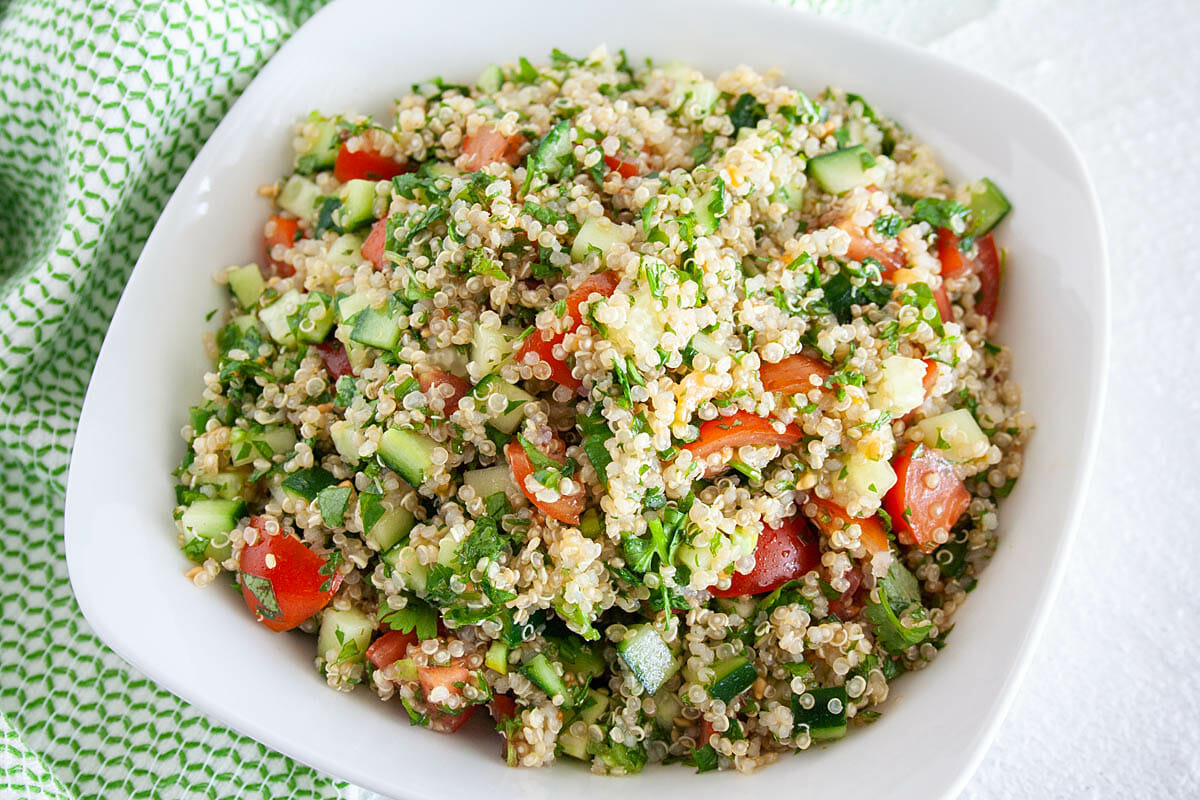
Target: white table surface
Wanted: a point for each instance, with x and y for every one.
(1110, 707)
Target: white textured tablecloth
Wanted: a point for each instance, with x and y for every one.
(1111, 705)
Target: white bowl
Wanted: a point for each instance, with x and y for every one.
(360, 54)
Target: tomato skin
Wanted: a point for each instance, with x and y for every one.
(626, 169)
(706, 732)
(953, 263)
(376, 243)
(365, 164)
(333, 355)
(604, 283)
(442, 722)
(488, 146)
(862, 247)
(782, 554)
(565, 509)
(284, 233)
(930, 378)
(988, 261)
(502, 708)
(390, 648)
(831, 517)
(738, 430)
(295, 575)
(945, 310)
(793, 374)
(436, 377)
(929, 509)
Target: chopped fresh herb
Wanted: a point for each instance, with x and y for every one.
(332, 502)
(746, 112)
(888, 225)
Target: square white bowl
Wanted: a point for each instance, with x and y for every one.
(358, 55)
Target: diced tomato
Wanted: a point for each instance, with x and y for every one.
(373, 247)
(566, 508)
(333, 354)
(390, 648)
(945, 310)
(985, 263)
(435, 377)
(283, 232)
(916, 508)
(502, 708)
(560, 371)
(739, 430)
(488, 146)
(863, 247)
(446, 677)
(626, 169)
(988, 260)
(831, 517)
(449, 723)
(366, 164)
(847, 605)
(782, 554)
(794, 374)
(930, 379)
(706, 732)
(949, 253)
(604, 283)
(283, 581)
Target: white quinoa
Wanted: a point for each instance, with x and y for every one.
(610, 333)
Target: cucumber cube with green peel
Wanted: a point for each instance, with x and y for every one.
(648, 657)
(822, 710)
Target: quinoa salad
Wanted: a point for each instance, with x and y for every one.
(641, 415)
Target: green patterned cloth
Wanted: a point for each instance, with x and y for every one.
(102, 108)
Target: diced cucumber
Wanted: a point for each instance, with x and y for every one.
(390, 529)
(864, 479)
(226, 484)
(299, 196)
(710, 209)
(490, 80)
(825, 716)
(448, 548)
(576, 656)
(346, 249)
(988, 206)
(703, 343)
(954, 435)
(491, 347)
(573, 746)
(315, 318)
(542, 673)
(407, 568)
(489, 480)
(731, 677)
(407, 453)
(344, 635)
(551, 158)
(319, 146)
(306, 484)
(593, 706)
(791, 194)
(601, 233)
(841, 170)
(406, 669)
(277, 317)
(497, 657)
(211, 521)
(358, 204)
(515, 397)
(375, 329)
(691, 92)
(900, 387)
(348, 305)
(247, 285)
(591, 525)
(346, 440)
(273, 440)
(648, 657)
(666, 709)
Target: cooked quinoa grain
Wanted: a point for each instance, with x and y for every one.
(660, 415)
